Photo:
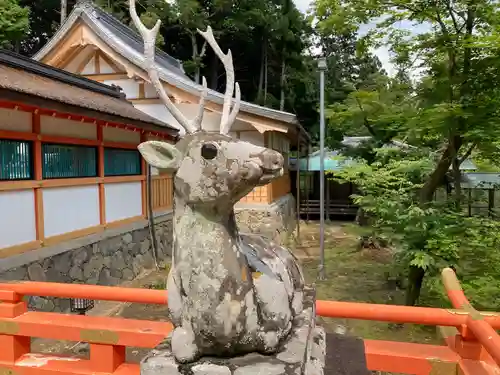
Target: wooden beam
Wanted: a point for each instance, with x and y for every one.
(29, 103)
(142, 91)
(84, 62)
(110, 62)
(97, 62)
(106, 77)
(143, 182)
(100, 173)
(38, 176)
(69, 56)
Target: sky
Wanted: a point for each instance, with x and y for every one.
(382, 53)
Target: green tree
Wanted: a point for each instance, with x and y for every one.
(427, 238)
(14, 23)
(458, 97)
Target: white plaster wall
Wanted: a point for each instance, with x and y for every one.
(279, 142)
(90, 67)
(73, 65)
(253, 137)
(66, 209)
(67, 128)
(104, 67)
(19, 121)
(120, 135)
(17, 217)
(129, 86)
(149, 91)
(123, 200)
(211, 120)
(160, 112)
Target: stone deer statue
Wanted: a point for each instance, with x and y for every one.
(228, 293)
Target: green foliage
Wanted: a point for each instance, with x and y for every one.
(448, 113)
(389, 195)
(428, 237)
(14, 22)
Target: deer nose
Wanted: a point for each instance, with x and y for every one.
(271, 160)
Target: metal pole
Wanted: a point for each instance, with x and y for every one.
(321, 275)
(297, 186)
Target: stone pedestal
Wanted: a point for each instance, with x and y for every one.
(303, 354)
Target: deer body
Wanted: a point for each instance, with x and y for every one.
(215, 304)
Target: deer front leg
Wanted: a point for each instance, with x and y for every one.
(275, 312)
(174, 299)
(184, 345)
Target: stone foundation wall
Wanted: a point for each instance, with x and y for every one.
(269, 220)
(108, 258)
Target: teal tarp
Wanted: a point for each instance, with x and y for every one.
(333, 162)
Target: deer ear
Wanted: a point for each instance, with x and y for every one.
(160, 155)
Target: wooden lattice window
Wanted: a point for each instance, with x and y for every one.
(68, 161)
(16, 160)
(119, 162)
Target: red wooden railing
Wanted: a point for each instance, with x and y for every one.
(472, 348)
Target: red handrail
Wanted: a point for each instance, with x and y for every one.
(333, 309)
(109, 336)
(95, 292)
(481, 328)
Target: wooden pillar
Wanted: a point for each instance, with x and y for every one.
(327, 201)
(143, 181)
(38, 176)
(297, 184)
(469, 203)
(491, 202)
(100, 174)
(307, 184)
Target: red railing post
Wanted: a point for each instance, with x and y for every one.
(12, 347)
(476, 340)
(106, 358)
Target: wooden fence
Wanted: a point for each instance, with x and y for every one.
(162, 192)
(471, 348)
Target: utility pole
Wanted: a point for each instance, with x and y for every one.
(322, 67)
(64, 10)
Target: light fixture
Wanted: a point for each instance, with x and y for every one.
(322, 64)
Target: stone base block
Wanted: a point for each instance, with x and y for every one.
(302, 354)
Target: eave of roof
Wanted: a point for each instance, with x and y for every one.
(17, 68)
(17, 61)
(90, 14)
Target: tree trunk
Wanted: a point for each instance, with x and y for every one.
(64, 11)
(265, 75)
(437, 176)
(260, 89)
(361, 217)
(457, 176)
(214, 68)
(282, 82)
(415, 280)
(194, 57)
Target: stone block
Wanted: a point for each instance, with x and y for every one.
(302, 354)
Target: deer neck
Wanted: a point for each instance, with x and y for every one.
(204, 232)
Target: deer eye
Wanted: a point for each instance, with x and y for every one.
(209, 151)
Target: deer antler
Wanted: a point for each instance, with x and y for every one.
(228, 116)
(149, 38)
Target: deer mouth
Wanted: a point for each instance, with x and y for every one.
(259, 175)
(268, 175)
